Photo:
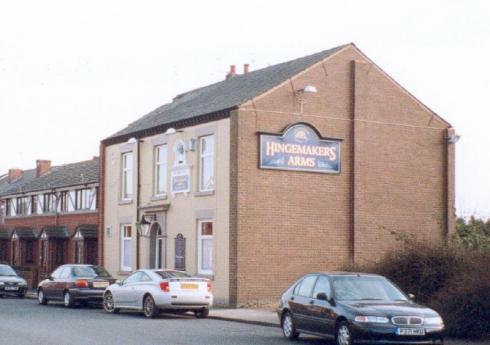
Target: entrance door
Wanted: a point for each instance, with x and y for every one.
(156, 246)
(91, 251)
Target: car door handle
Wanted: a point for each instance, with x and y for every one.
(292, 298)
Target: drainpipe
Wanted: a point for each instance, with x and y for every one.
(138, 203)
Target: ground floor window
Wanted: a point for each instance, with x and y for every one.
(126, 232)
(205, 247)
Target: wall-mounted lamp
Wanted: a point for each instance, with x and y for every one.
(301, 92)
(172, 130)
(143, 227)
(453, 138)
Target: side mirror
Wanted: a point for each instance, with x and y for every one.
(411, 297)
(50, 277)
(322, 296)
(118, 282)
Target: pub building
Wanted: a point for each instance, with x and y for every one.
(302, 166)
(49, 217)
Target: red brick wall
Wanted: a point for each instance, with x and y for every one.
(394, 160)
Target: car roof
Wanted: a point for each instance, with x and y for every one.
(347, 273)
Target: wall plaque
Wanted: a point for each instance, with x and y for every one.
(300, 147)
(180, 252)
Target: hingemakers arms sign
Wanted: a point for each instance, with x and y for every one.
(300, 147)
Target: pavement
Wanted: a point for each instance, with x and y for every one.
(268, 318)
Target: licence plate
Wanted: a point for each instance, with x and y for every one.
(100, 284)
(189, 286)
(11, 288)
(410, 331)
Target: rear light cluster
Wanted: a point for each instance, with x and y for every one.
(209, 286)
(81, 283)
(165, 287)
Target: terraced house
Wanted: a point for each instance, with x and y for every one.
(307, 165)
(49, 217)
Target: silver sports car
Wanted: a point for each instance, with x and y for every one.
(155, 290)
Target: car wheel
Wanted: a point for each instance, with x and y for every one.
(149, 308)
(343, 335)
(40, 297)
(108, 304)
(288, 327)
(68, 300)
(202, 313)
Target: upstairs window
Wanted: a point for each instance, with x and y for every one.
(22, 206)
(34, 204)
(49, 203)
(206, 163)
(82, 199)
(161, 160)
(63, 201)
(8, 207)
(127, 176)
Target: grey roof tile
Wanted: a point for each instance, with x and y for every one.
(58, 177)
(55, 231)
(26, 233)
(224, 95)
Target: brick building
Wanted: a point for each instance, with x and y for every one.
(49, 217)
(257, 179)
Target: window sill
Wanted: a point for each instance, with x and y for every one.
(159, 197)
(125, 202)
(207, 276)
(204, 193)
(124, 273)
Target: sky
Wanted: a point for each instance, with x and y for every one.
(74, 72)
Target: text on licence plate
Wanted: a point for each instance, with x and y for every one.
(410, 331)
(187, 286)
(100, 284)
(11, 288)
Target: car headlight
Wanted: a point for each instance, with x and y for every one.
(2, 283)
(371, 319)
(22, 283)
(433, 320)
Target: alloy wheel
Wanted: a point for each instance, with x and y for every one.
(288, 328)
(108, 303)
(149, 308)
(40, 296)
(343, 335)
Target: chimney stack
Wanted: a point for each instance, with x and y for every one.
(232, 72)
(14, 174)
(246, 68)
(42, 167)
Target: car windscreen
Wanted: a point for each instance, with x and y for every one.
(90, 272)
(7, 271)
(172, 274)
(365, 288)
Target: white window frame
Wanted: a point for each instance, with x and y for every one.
(162, 165)
(126, 171)
(203, 156)
(200, 238)
(125, 240)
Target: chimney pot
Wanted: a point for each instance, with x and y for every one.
(14, 174)
(232, 72)
(42, 167)
(246, 68)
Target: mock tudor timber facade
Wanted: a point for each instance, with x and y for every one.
(263, 218)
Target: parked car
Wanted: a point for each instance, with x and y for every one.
(155, 290)
(73, 284)
(352, 307)
(11, 283)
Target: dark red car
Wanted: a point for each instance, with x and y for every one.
(72, 284)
